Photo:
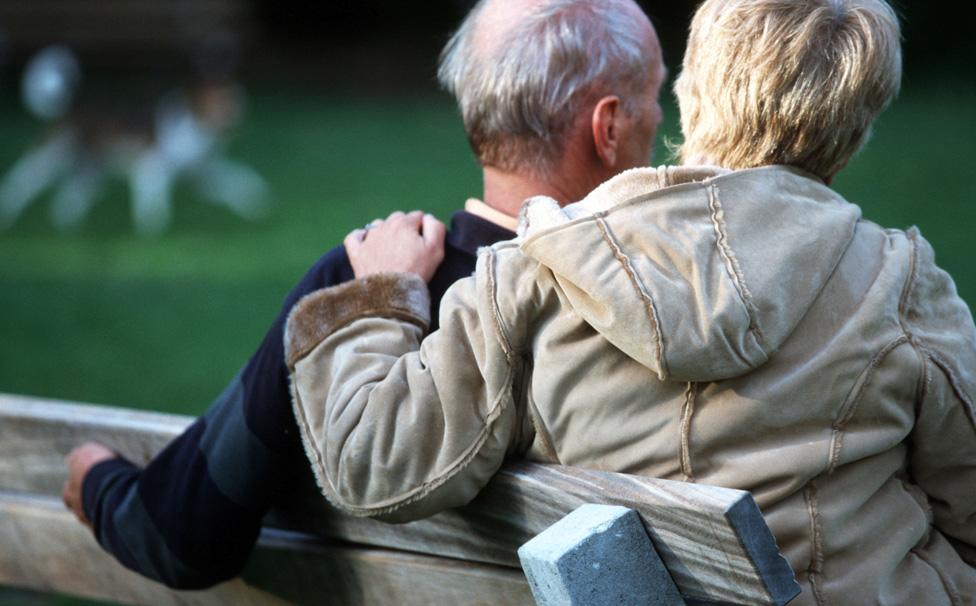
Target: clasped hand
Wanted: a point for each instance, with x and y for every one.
(411, 242)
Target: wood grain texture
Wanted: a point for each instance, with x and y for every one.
(36, 434)
(308, 571)
(45, 549)
(713, 540)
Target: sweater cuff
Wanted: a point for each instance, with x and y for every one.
(402, 296)
(97, 478)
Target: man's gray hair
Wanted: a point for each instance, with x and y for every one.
(519, 97)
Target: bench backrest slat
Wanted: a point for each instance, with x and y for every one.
(46, 549)
(713, 540)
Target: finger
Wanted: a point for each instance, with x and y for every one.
(412, 222)
(354, 240)
(395, 215)
(356, 235)
(433, 232)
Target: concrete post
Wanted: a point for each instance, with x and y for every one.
(597, 555)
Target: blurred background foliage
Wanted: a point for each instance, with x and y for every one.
(345, 123)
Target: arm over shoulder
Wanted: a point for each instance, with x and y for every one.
(394, 427)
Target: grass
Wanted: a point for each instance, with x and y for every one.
(103, 316)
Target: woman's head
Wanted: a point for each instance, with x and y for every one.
(794, 82)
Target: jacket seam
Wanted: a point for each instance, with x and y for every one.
(732, 265)
(947, 585)
(919, 496)
(908, 290)
(969, 407)
(907, 294)
(541, 431)
(688, 411)
(644, 295)
(815, 567)
(961, 393)
(500, 333)
(925, 380)
(847, 411)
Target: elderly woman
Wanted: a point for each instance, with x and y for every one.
(731, 321)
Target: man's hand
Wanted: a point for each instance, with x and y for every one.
(412, 242)
(80, 461)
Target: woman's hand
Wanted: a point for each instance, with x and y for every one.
(412, 242)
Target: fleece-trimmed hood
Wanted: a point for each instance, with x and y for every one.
(697, 273)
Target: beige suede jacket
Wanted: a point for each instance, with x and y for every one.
(746, 329)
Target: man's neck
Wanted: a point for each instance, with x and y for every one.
(506, 192)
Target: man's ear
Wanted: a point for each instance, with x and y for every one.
(606, 130)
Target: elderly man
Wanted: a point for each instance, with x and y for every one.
(731, 321)
(556, 97)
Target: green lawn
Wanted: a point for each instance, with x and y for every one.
(103, 316)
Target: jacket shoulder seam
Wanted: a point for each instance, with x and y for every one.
(643, 293)
(500, 333)
(961, 393)
(904, 304)
(908, 291)
(717, 215)
(849, 408)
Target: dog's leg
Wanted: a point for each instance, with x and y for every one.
(233, 185)
(76, 194)
(151, 179)
(32, 174)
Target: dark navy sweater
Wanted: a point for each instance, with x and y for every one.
(190, 518)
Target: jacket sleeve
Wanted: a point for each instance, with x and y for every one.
(393, 427)
(943, 441)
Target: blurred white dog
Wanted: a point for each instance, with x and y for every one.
(181, 140)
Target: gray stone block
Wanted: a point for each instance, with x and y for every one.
(597, 555)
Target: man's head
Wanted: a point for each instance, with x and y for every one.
(529, 76)
(795, 82)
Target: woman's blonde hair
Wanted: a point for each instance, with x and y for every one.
(794, 82)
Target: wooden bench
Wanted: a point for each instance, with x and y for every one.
(713, 540)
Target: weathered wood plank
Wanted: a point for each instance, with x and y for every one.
(45, 549)
(713, 540)
(36, 434)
